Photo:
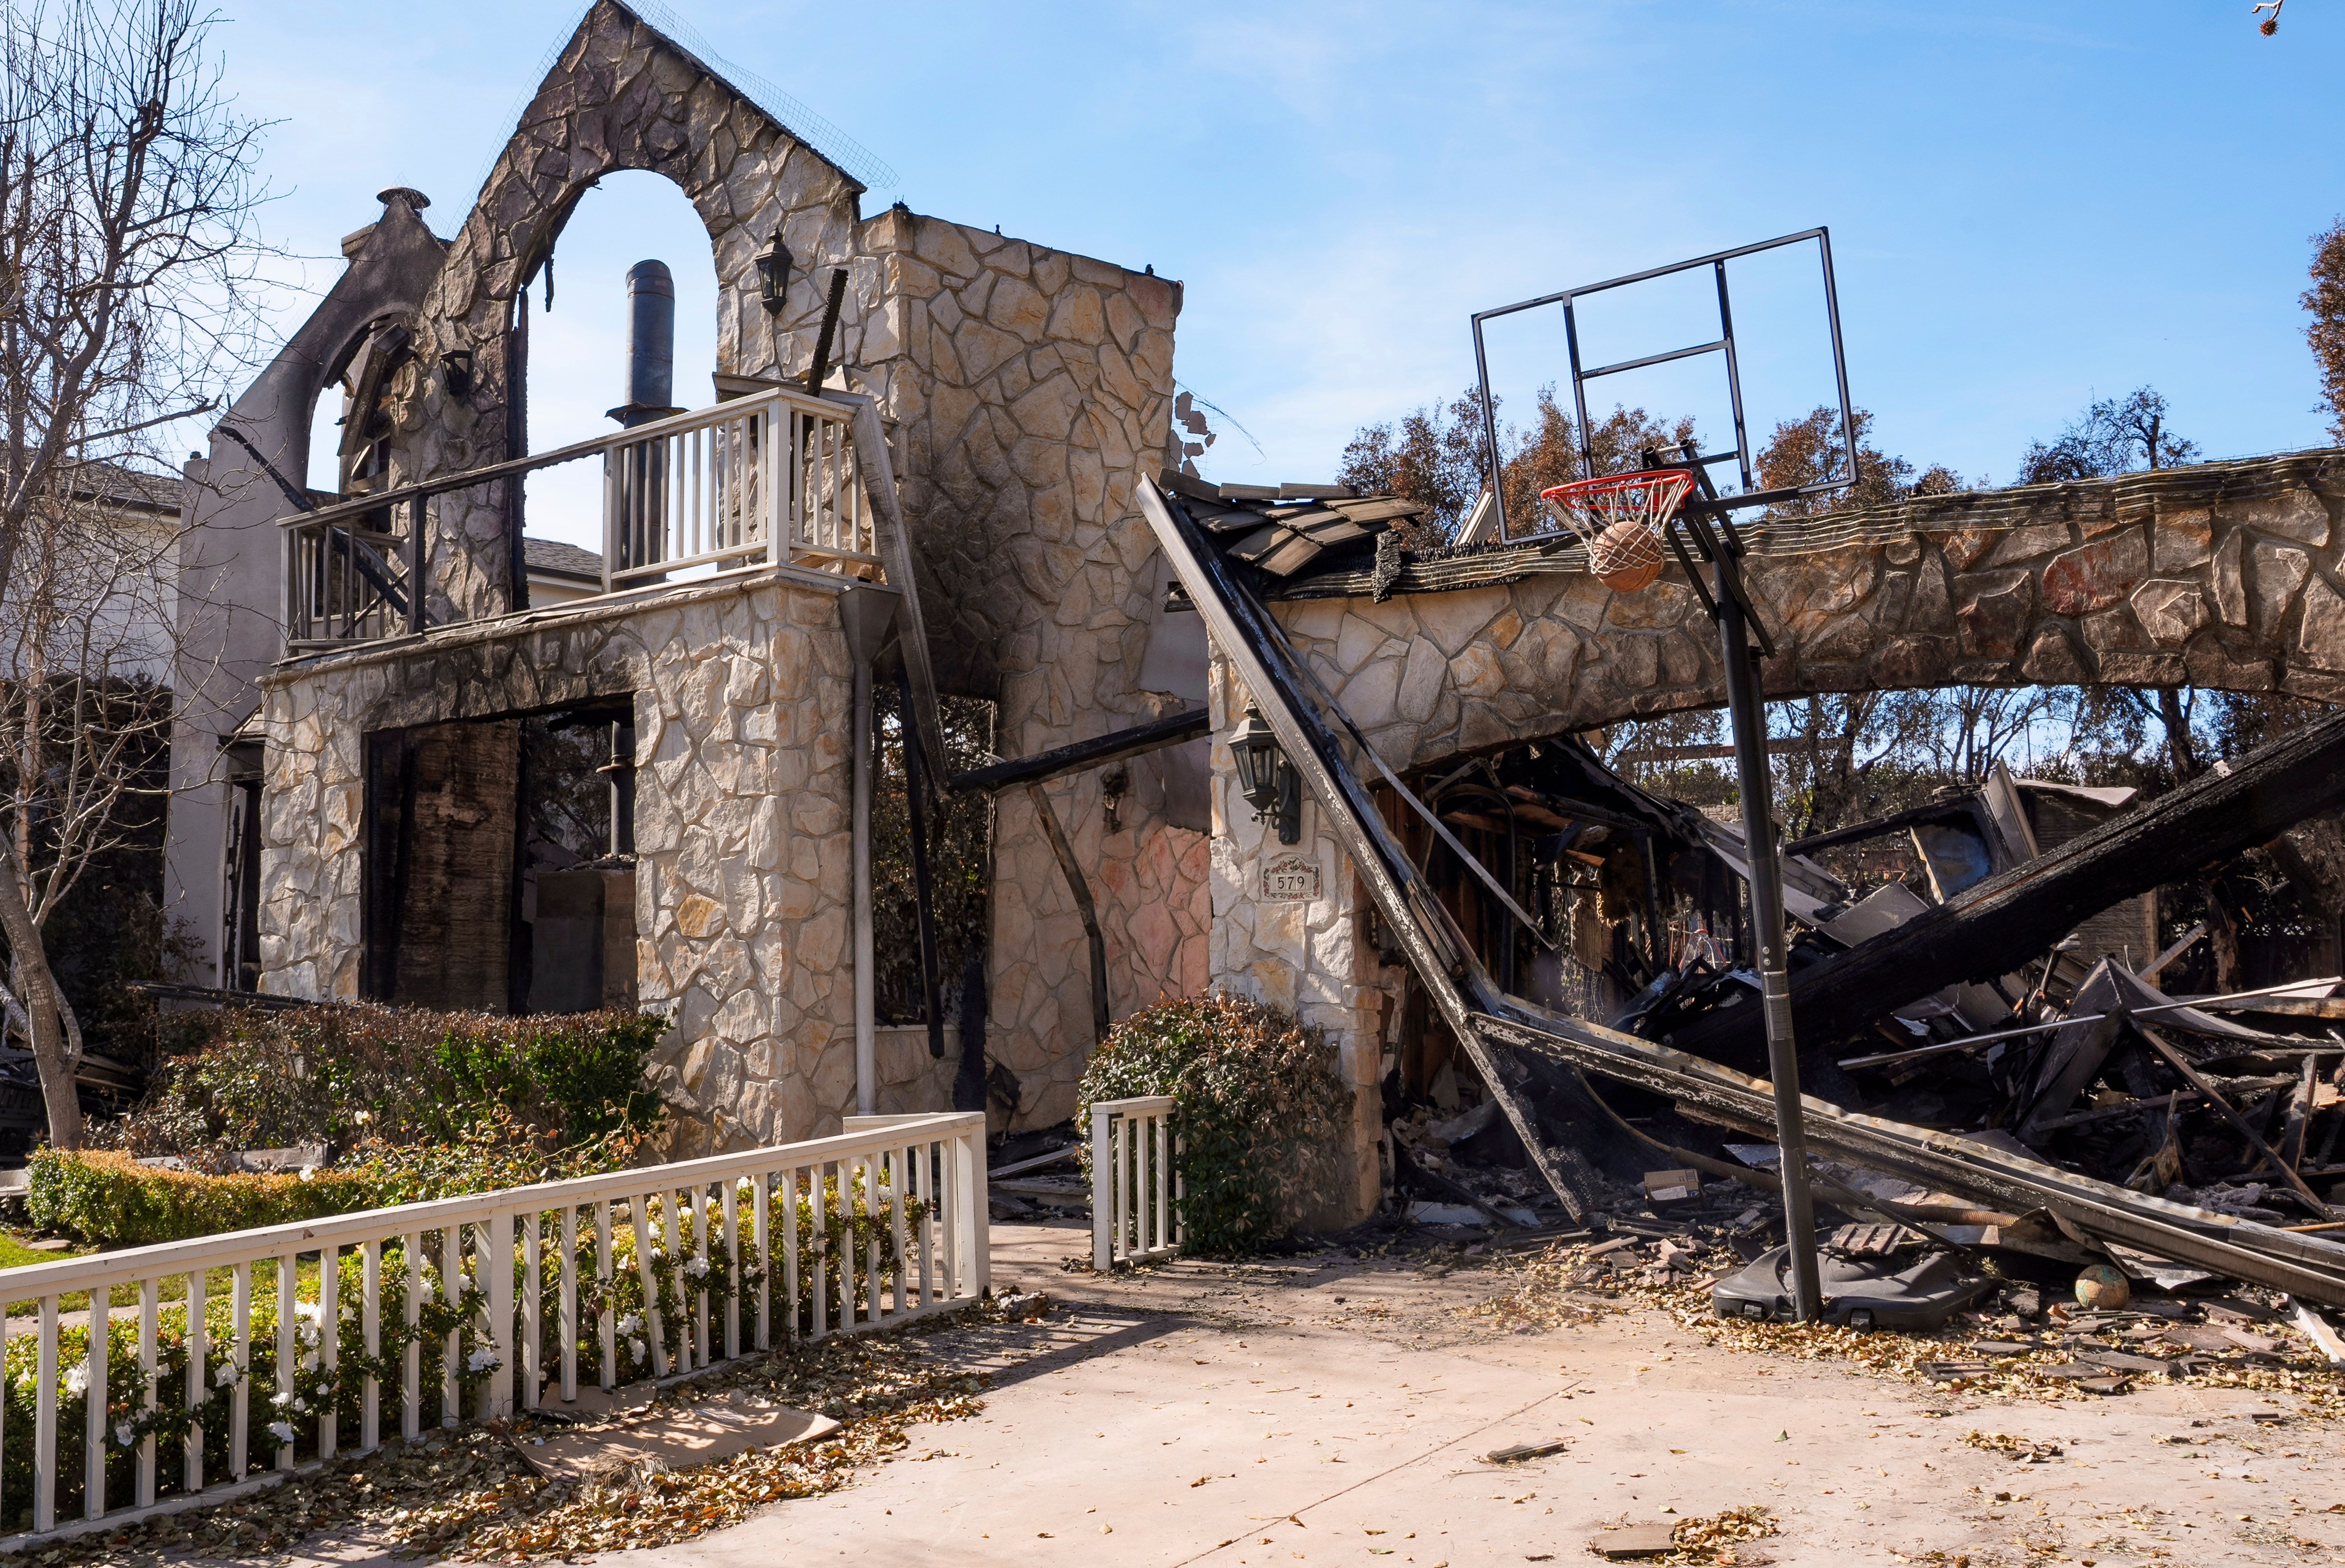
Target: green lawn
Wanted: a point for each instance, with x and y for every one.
(14, 1254)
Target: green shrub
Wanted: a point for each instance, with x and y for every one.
(343, 1075)
(1260, 1111)
(104, 1196)
(107, 1197)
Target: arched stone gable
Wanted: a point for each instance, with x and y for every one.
(1024, 392)
(619, 96)
(2225, 576)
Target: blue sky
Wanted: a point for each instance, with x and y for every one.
(2031, 204)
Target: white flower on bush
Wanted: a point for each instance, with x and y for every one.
(309, 1362)
(77, 1379)
(748, 1184)
(308, 1173)
(697, 1268)
(363, 1118)
(227, 1372)
(464, 1284)
(280, 1400)
(282, 1432)
(301, 1405)
(482, 1360)
(636, 1349)
(659, 1254)
(633, 1323)
(123, 1436)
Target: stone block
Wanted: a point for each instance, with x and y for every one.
(2170, 610)
(2095, 576)
(2053, 659)
(2275, 572)
(2320, 635)
(2180, 538)
(1995, 615)
(2299, 515)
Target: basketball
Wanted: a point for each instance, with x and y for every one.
(1626, 557)
(2103, 1287)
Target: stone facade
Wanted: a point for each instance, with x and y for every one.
(2225, 576)
(1023, 391)
(1027, 391)
(1309, 956)
(742, 786)
(619, 96)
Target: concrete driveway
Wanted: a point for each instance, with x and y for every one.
(1340, 1411)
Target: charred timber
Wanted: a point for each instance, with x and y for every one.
(2013, 917)
(1113, 746)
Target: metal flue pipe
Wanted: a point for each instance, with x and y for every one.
(651, 345)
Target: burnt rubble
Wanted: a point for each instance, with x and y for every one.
(2035, 1105)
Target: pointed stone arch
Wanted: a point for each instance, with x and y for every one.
(619, 96)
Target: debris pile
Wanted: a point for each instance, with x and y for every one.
(1987, 1030)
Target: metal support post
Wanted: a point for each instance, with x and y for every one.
(1749, 716)
(1747, 711)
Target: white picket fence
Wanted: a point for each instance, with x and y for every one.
(880, 1224)
(1136, 1181)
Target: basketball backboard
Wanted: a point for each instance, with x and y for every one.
(1741, 488)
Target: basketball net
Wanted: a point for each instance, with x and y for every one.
(1619, 517)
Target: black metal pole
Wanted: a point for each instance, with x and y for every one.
(1748, 714)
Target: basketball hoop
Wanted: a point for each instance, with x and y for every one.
(1619, 517)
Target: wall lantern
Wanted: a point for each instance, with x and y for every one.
(774, 263)
(1266, 778)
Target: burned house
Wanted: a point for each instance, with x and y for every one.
(938, 460)
(913, 460)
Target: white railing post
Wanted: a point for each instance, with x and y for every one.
(1135, 1180)
(1102, 1192)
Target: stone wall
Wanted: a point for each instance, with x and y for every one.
(1027, 391)
(1024, 392)
(742, 793)
(2225, 576)
(1148, 886)
(1309, 956)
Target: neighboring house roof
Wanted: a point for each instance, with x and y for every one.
(557, 559)
(116, 485)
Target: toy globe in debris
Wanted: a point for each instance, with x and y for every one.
(2103, 1287)
(1619, 517)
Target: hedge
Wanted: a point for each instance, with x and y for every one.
(107, 1197)
(341, 1076)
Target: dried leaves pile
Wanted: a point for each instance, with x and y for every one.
(469, 1494)
(1565, 1288)
(2027, 1449)
(1714, 1540)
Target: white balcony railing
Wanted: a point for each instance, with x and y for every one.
(770, 479)
(749, 482)
(379, 1323)
(1136, 1181)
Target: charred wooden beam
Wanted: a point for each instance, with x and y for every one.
(1113, 747)
(1081, 891)
(2015, 915)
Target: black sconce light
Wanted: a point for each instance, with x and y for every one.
(774, 264)
(456, 372)
(1266, 778)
